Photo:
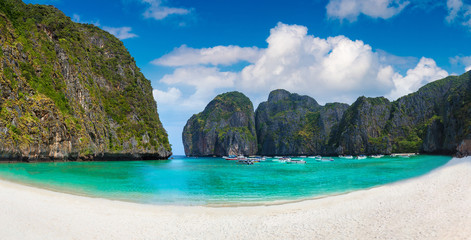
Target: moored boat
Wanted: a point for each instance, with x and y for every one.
(295, 161)
(282, 159)
(245, 161)
(231, 157)
(329, 159)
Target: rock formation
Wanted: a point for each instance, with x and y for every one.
(225, 127)
(71, 91)
(290, 124)
(435, 119)
(361, 127)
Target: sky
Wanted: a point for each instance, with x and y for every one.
(331, 50)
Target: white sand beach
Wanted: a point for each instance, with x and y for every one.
(434, 206)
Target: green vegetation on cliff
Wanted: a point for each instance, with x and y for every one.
(435, 119)
(225, 127)
(71, 90)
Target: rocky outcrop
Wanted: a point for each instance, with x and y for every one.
(290, 124)
(435, 119)
(360, 130)
(225, 127)
(464, 148)
(71, 91)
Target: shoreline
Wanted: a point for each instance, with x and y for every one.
(216, 204)
(432, 206)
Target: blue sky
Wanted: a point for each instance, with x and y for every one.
(331, 50)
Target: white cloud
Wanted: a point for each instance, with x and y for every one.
(459, 12)
(120, 32)
(426, 71)
(454, 7)
(351, 9)
(330, 69)
(159, 12)
(171, 96)
(464, 61)
(204, 80)
(219, 55)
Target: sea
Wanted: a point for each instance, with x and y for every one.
(215, 181)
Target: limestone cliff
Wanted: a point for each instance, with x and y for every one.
(225, 127)
(290, 124)
(71, 91)
(435, 119)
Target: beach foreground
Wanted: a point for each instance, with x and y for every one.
(434, 206)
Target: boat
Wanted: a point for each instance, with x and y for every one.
(377, 156)
(329, 159)
(257, 158)
(231, 157)
(405, 155)
(361, 157)
(346, 156)
(282, 159)
(303, 156)
(245, 161)
(295, 161)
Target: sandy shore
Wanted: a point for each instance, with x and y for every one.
(434, 206)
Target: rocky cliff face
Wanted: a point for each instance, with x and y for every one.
(361, 127)
(290, 124)
(225, 127)
(71, 91)
(435, 119)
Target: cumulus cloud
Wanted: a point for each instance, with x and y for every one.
(219, 55)
(426, 71)
(335, 68)
(120, 32)
(171, 96)
(159, 12)
(204, 80)
(351, 9)
(328, 69)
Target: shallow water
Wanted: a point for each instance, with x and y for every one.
(215, 181)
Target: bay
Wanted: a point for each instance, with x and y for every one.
(215, 181)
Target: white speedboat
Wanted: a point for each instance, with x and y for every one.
(295, 161)
(282, 159)
(329, 159)
(361, 157)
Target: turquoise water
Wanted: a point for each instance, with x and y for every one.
(215, 181)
